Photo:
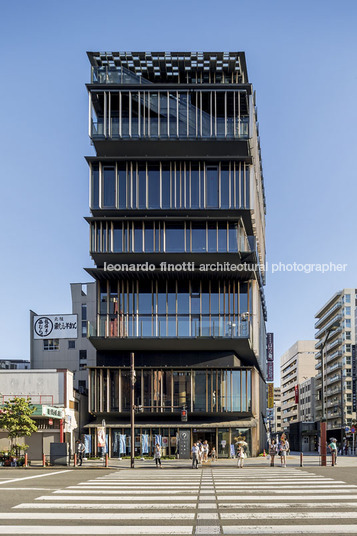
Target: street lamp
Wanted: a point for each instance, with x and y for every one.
(323, 437)
(132, 410)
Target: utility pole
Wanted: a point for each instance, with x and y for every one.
(132, 409)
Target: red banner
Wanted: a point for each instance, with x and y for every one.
(296, 394)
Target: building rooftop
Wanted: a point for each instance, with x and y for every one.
(173, 67)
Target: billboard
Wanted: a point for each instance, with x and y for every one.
(296, 394)
(270, 346)
(270, 395)
(55, 327)
(270, 371)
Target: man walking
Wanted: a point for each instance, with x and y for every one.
(195, 454)
(80, 452)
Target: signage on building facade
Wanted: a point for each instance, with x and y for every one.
(55, 327)
(270, 395)
(101, 437)
(296, 394)
(354, 378)
(270, 346)
(48, 411)
(270, 371)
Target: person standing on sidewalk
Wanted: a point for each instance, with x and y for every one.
(272, 452)
(80, 452)
(157, 455)
(195, 456)
(333, 449)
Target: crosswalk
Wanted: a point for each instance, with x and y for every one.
(223, 500)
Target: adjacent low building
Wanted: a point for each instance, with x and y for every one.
(56, 406)
(68, 348)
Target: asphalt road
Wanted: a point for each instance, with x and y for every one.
(209, 500)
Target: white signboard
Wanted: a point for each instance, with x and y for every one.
(55, 327)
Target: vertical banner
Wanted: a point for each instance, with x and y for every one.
(101, 437)
(270, 395)
(270, 346)
(270, 371)
(296, 394)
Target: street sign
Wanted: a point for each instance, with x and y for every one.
(353, 429)
(347, 429)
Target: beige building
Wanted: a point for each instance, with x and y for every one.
(296, 365)
(338, 311)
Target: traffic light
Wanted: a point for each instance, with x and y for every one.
(184, 415)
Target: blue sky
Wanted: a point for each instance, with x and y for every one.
(301, 59)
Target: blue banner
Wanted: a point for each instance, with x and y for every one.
(144, 443)
(122, 442)
(88, 443)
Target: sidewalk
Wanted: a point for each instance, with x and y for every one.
(309, 460)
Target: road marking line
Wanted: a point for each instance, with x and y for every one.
(97, 529)
(96, 506)
(280, 492)
(282, 505)
(327, 497)
(289, 529)
(35, 476)
(122, 492)
(100, 517)
(289, 515)
(112, 498)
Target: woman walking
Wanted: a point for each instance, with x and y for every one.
(157, 455)
(272, 452)
(284, 447)
(241, 456)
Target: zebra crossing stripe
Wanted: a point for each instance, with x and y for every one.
(288, 529)
(100, 517)
(96, 529)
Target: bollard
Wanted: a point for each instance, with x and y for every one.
(26, 463)
(106, 460)
(301, 459)
(333, 461)
(75, 459)
(43, 460)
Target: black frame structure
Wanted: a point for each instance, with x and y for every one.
(177, 235)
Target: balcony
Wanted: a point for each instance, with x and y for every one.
(323, 319)
(334, 379)
(336, 366)
(333, 356)
(335, 390)
(171, 332)
(318, 376)
(318, 365)
(336, 318)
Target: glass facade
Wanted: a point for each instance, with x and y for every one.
(108, 236)
(174, 308)
(170, 185)
(169, 390)
(149, 113)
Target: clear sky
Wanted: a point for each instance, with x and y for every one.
(301, 58)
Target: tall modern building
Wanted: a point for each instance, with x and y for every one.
(177, 235)
(339, 361)
(296, 365)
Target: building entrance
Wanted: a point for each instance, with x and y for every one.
(205, 435)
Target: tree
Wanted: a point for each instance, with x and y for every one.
(15, 418)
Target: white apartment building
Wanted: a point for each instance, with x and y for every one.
(307, 399)
(339, 312)
(296, 365)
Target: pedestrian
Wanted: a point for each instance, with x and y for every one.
(283, 448)
(200, 451)
(213, 454)
(205, 450)
(80, 452)
(195, 451)
(157, 455)
(241, 456)
(272, 452)
(333, 449)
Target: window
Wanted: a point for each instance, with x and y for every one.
(109, 187)
(211, 187)
(71, 345)
(51, 344)
(82, 355)
(95, 186)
